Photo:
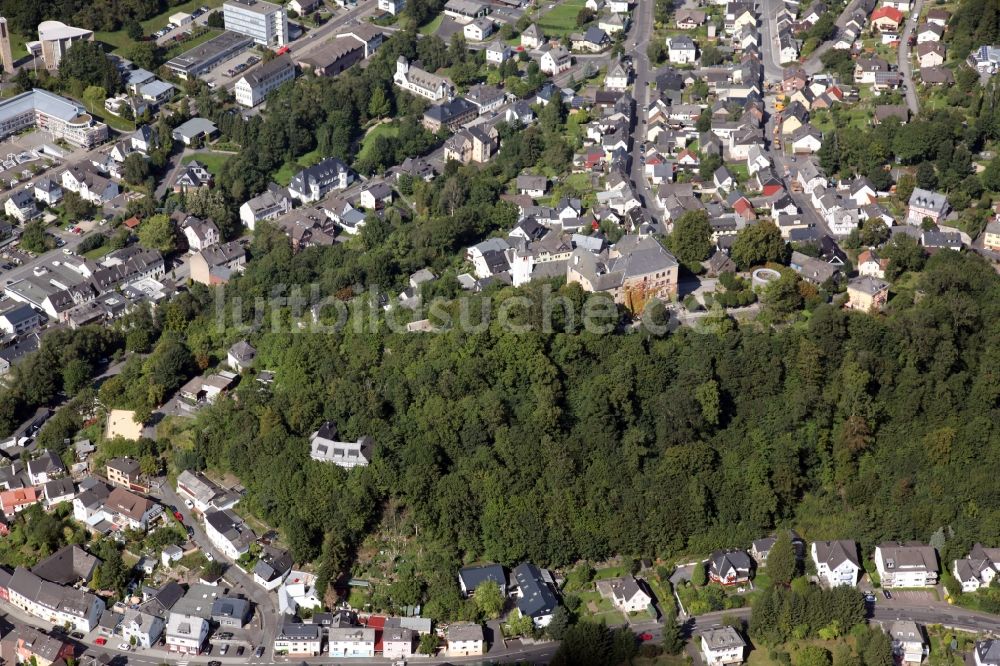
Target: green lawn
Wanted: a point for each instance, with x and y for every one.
(562, 19)
(384, 129)
(119, 39)
(284, 175)
(180, 48)
(212, 161)
(432, 27)
(97, 252)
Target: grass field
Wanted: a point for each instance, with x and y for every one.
(432, 27)
(384, 129)
(212, 161)
(118, 39)
(284, 175)
(561, 19)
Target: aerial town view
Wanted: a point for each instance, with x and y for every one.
(571, 332)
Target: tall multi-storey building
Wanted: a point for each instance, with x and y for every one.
(265, 22)
(255, 86)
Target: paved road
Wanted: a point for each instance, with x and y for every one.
(812, 64)
(905, 65)
(773, 71)
(242, 583)
(637, 43)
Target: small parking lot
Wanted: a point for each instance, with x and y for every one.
(910, 597)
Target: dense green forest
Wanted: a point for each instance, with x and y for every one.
(561, 446)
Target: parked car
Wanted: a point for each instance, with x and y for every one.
(259, 652)
(240, 650)
(224, 650)
(125, 647)
(887, 593)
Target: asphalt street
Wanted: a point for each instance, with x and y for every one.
(905, 65)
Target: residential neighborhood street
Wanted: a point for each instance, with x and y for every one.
(905, 64)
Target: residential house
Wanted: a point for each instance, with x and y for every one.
(478, 29)
(194, 131)
(681, 50)
(273, 566)
(240, 356)
(45, 467)
(908, 641)
(611, 24)
(21, 206)
(47, 192)
(54, 603)
(761, 548)
(422, 83)
(124, 472)
(141, 629)
(350, 642)
(991, 237)
(929, 32)
(941, 240)
(871, 265)
(688, 19)
(298, 640)
(886, 19)
(926, 204)
(722, 179)
(228, 533)
(594, 40)
(723, 646)
(32, 646)
(532, 186)
(477, 144)
(471, 577)
(231, 612)
(58, 491)
(485, 98)
(806, 139)
(535, 598)
(532, 37)
(555, 61)
(185, 634)
(938, 17)
(70, 565)
(498, 52)
(126, 510)
(626, 594)
(91, 186)
(930, 54)
(397, 642)
(987, 653)
(979, 569)
(936, 76)
(200, 234)
(313, 183)
(272, 203)
(730, 567)
(20, 319)
(216, 264)
(866, 69)
(393, 7)
(909, 565)
(325, 446)
(193, 176)
(837, 562)
(867, 294)
(618, 77)
(815, 271)
(466, 640)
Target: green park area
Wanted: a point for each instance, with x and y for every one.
(561, 19)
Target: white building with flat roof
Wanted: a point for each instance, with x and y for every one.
(266, 22)
(62, 118)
